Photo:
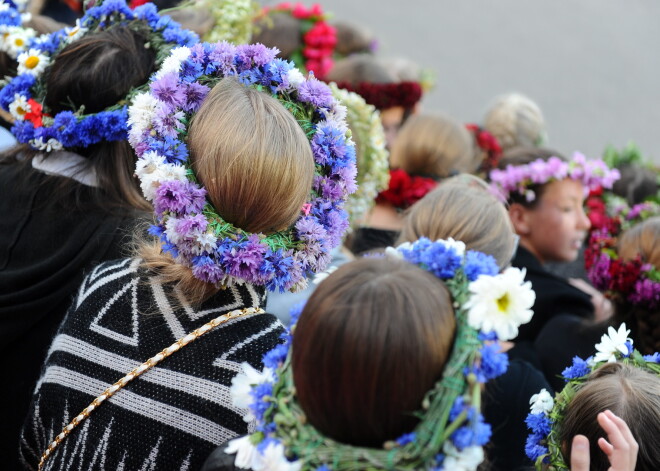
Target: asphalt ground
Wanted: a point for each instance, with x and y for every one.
(592, 65)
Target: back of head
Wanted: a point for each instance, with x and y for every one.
(642, 240)
(636, 183)
(352, 38)
(372, 340)
(433, 145)
(630, 393)
(515, 120)
(252, 157)
(361, 68)
(462, 208)
(280, 30)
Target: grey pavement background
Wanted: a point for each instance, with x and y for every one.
(592, 65)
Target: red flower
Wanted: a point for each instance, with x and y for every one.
(299, 11)
(404, 190)
(35, 115)
(624, 275)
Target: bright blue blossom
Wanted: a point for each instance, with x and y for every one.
(578, 369)
(534, 448)
(539, 423)
(655, 358)
(493, 363)
(477, 263)
(406, 438)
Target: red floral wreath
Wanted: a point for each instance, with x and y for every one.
(386, 95)
(487, 143)
(405, 190)
(318, 36)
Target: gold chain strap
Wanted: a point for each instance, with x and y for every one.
(150, 363)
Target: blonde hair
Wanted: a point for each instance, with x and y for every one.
(642, 239)
(515, 120)
(462, 208)
(256, 164)
(433, 145)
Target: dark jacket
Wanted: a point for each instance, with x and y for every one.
(554, 296)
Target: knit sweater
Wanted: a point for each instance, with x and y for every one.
(172, 416)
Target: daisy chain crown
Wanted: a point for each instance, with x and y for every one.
(189, 227)
(452, 430)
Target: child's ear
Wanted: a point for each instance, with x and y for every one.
(520, 219)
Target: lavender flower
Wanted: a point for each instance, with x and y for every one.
(167, 90)
(315, 92)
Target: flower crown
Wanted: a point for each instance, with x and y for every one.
(233, 20)
(189, 227)
(546, 416)
(452, 430)
(14, 37)
(633, 281)
(488, 144)
(386, 95)
(318, 36)
(518, 178)
(25, 94)
(373, 159)
(405, 190)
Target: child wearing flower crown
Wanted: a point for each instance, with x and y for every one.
(141, 366)
(321, 404)
(70, 195)
(429, 148)
(545, 193)
(462, 208)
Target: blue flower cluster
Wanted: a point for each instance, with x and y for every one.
(10, 17)
(578, 369)
(475, 432)
(540, 426)
(72, 129)
(493, 363)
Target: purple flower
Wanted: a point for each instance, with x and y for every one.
(189, 226)
(258, 53)
(167, 90)
(243, 259)
(206, 269)
(315, 92)
(168, 123)
(309, 230)
(222, 57)
(195, 94)
(178, 197)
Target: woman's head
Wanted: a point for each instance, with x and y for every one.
(433, 145)
(630, 393)
(515, 120)
(642, 240)
(553, 225)
(280, 30)
(462, 208)
(252, 157)
(372, 340)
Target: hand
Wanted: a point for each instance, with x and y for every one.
(621, 450)
(603, 308)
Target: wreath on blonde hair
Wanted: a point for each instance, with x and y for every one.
(189, 227)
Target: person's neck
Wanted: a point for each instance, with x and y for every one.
(531, 249)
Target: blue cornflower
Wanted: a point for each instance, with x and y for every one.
(493, 363)
(295, 312)
(655, 358)
(23, 131)
(261, 394)
(323, 468)
(477, 263)
(406, 438)
(578, 369)
(20, 84)
(629, 346)
(539, 424)
(147, 12)
(276, 356)
(533, 447)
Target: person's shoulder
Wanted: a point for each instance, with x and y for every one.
(219, 460)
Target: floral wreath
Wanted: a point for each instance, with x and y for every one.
(452, 430)
(633, 281)
(14, 37)
(187, 224)
(546, 415)
(405, 190)
(24, 95)
(386, 95)
(488, 144)
(373, 159)
(518, 178)
(319, 37)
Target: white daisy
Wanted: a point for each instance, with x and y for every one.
(153, 170)
(49, 146)
(247, 455)
(206, 242)
(274, 459)
(140, 114)
(75, 32)
(174, 61)
(295, 77)
(26, 17)
(457, 245)
(19, 107)
(541, 403)
(241, 387)
(17, 41)
(500, 303)
(32, 62)
(611, 344)
(467, 460)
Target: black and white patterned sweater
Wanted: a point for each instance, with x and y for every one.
(172, 416)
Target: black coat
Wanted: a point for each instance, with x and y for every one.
(554, 296)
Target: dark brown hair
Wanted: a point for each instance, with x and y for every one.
(96, 72)
(371, 341)
(523, 156)
(630, 393)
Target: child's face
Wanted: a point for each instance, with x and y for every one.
(558, 225)
(391, 119)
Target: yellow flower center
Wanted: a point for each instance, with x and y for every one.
(19, 42)
(20, 110)
(503, 303)
(73, 31)
(31, 62)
